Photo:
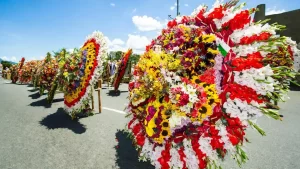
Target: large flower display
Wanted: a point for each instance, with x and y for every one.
(48, 74)
(37, 73)
(16, 69)
(82, 70)
(217, 72)
(25, 74)
(58, 79)
(121, 69)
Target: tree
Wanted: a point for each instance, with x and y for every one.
(118, 55)
(134, 58)
(5, 64)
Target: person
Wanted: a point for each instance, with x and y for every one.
(1, 68)
(112, 68)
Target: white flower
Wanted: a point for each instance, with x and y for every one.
(242, 110)
(252, 78)
(175, 120)
(206, 148)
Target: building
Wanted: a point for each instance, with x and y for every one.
(290, 19)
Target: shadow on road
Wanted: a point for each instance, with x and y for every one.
(42, 102)
(35, 95)
(22, 84)
(33, 90)
(114, 93)
(127, 156)
(294, 87)
(58, 100)
(30, 85)
(60, 119)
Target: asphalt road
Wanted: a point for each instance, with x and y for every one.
(35, 135)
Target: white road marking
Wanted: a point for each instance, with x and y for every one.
(118, 111)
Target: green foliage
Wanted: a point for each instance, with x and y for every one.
(134, 58)
(6, 64)
(118, 55)
(48, 57)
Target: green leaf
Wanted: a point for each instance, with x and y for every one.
(255, 126)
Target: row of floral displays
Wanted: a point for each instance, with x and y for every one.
(75, 74)
(195, 91)
(216, 73)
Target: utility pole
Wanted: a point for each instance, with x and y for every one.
(177, 13)
(178, 8)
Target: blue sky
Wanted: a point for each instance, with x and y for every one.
(31, 28)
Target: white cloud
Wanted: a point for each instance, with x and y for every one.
(115, 44)
(137, 42)
(41, 57)
(31, 58)
(186, 4)
(145, 23)
(112, 4)
(272, 11)
(4, 58)
(70, 50)
(12, 59)
(173, 7)
(117, 41)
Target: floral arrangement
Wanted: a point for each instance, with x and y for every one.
(35, 66)
(48, 74)
(58, 80)
(14, 73)
(82, 70)
(121, 69)
(217, 72)
(37, 73)
(15, 70)
(25, 73)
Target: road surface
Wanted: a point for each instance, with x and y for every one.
(36, 135)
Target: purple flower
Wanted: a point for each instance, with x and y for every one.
(151, 111)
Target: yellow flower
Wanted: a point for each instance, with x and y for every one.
(196, 40)
(149, 127)
(202, 64)
(208, 38)
(66, 74)
(205, 110)
(177, 96)
(212, 51)
(195, 80)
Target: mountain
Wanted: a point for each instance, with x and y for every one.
(7, 61)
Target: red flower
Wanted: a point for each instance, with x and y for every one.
(137, 128)
(182, 157)
(184, 99)
(140, 139)
(172, 23)
(238, 21)
(290, 52)
(233, 139)
(208, 76)
(217, 13)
